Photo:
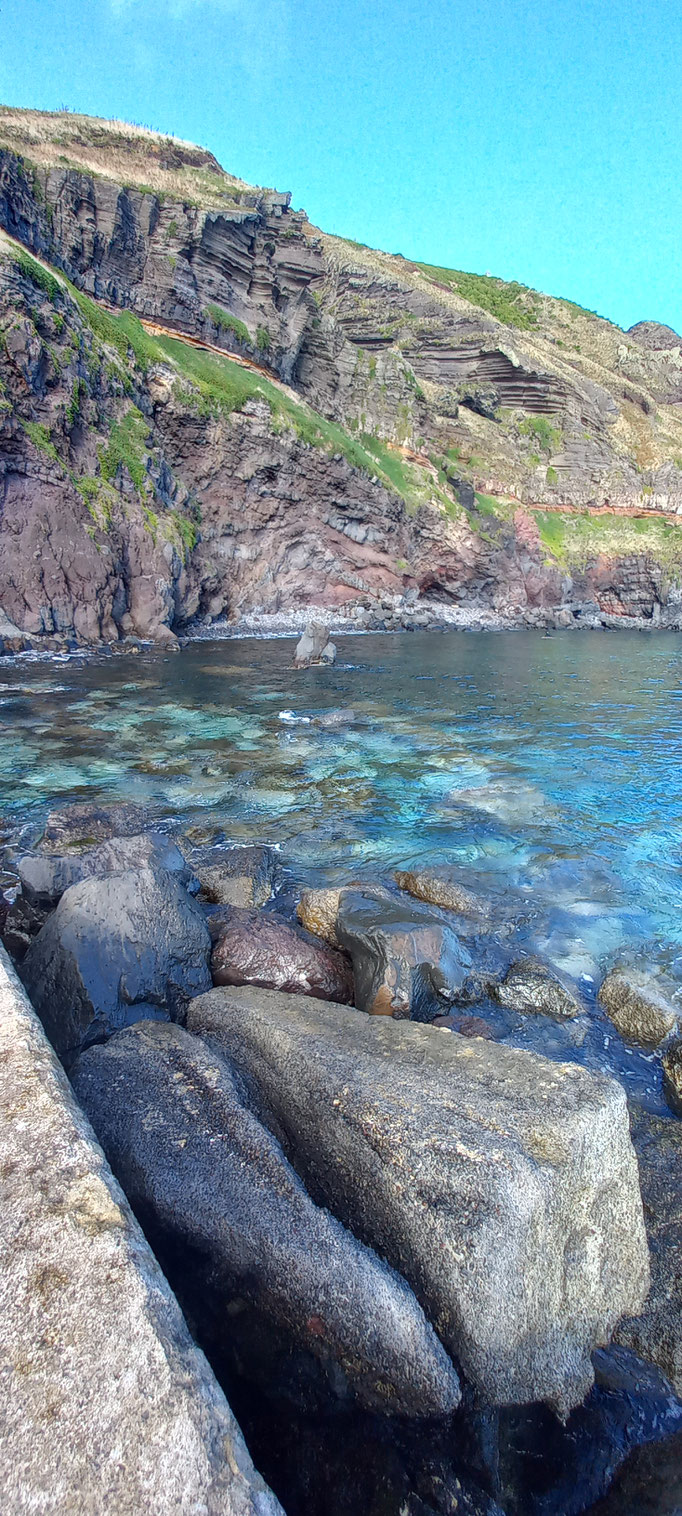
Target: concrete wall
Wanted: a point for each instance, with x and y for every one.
(106, 1404)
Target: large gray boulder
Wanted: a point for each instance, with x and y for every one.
(45, 876)
(406, 961)
(107, 1403)
(503, 1186)
(211, 1180)
(117, 949)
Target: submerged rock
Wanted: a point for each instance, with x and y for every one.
(656, 1334)
(672, 1077)
(406, 962)
(85, 823)
(253, 948)
(439, 887)
(219, 1198)
(637, 1007)
(117, 949)
(503, 1186)
(529, 986)
(45, 876)
(243, 876)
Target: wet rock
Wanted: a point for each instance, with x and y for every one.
(314, 646)
(405, 961)
(86, 823)
(503, 1186)
(116, 950)
(466, 1026)
(529, 986)
(317, 911)
(217, 1194)
(45, 876)
(331, 720)
(649, 1483)
(23, 921)
(637, 1007)
(439, 887)
(656, 1334)
(672, 1077)
(245, 876)
(253, 948)
(514, 802)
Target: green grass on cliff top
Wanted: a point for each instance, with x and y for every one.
(575, 538)
(511, 303)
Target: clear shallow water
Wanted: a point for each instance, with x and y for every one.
(548, 768)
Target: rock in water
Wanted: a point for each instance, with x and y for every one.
(238, 875)
(254, 948)
(314, 646)
(45, 876)
(211, 1180)
(404, 958)
(86, 823)
(672, 1077)
(637, 1007)
(503, 1186)
(439, 887)
(529, 986)
(116, 950)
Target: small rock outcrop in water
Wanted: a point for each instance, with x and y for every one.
(215, 1188)
(314, 646)
(253, 948)
(530, 986)
(45, 876)
(243, 876)
(502, 1186)
(637, 1007)
(116, 950)
(438, 887)
(405, 961)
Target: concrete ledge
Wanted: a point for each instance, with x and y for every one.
(107, 1403)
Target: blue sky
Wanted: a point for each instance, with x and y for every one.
(537, 141)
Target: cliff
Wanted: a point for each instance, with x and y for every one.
(208, 406)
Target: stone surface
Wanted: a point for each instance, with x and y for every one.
(223, 1201)
(672, 1077)
(239, 875)
(116, 950)
(656, 1334)
(314, 646)
(637, 1007)
(45, 876)
(254, 948)
(529, 986)
(438, 887)
(107, 1402)
(317, 911)
(406, 962)
(87, 822)
(503, 1186)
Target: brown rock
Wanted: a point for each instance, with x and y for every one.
(317, 911)
(241, 876)
(466, 1026)
(637, 1007)
(436, 888)
(254, 948)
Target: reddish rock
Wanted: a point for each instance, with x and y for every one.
(254, 948)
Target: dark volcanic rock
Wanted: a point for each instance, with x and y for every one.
(672, 1077)
(239, 875)
(529, 986)
(656, 1335)
(405, 961)
(23, 921)
(221, 1201)
(654, 335)
(117, 949)
(503, 1186)
(45, 876)
(253, 948)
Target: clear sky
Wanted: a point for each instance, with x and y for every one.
(537, 141)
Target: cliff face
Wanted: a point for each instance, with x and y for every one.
(387, 428)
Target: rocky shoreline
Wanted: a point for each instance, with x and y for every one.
(368, 1199)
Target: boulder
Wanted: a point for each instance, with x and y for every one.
(672, 1077)
(86, 823)
(656, 1334)
(107, 1403)
(238, 875)
(220, 1199)
(22, 922)
(254, 948)
(117, 949)
(45, 876)
(637, 1007)
(317, 911)
(529, 986)
(314, 646)
(406, 961)
(502, 1185)
(442, 888)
